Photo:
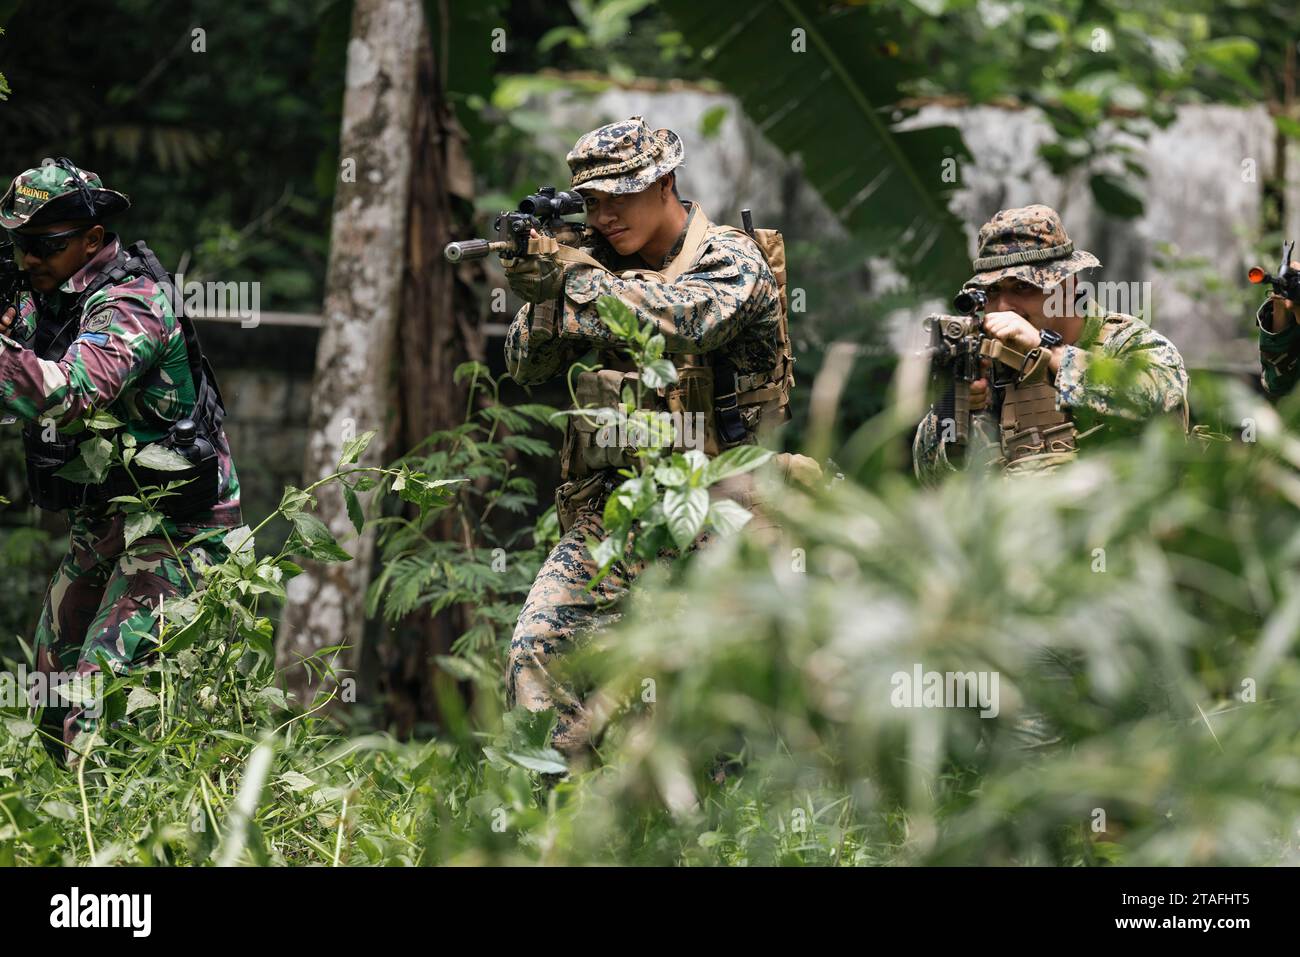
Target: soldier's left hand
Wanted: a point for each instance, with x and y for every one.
(535, 278)
(1013, 329)
(7, 320)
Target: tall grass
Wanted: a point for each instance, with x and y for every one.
(1139, 607)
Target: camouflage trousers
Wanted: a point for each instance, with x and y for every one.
(102, 604)
(560, 610)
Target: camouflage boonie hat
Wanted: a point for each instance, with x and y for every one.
(53, 192)
(1030, 244)
(624, 157)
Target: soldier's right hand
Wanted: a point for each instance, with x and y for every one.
(979, 394)
(7, 320)
(1285, 312)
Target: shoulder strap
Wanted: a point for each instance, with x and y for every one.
(119, 272)
(142, 261)
(696, 233)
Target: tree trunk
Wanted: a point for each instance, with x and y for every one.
(363, 293)
(438, 331)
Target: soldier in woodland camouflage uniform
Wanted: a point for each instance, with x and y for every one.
(708, 290)
(1279, 343)
(1073, 373)
(97, 334)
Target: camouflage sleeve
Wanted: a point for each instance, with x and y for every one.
(533, 352)
(1279, 354)
(701, 311)
(1135, 378)
(929, 455)
(930, 460)
(119, 338)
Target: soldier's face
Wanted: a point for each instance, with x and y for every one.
(48, 272)
(1015, 295)
(627, 220)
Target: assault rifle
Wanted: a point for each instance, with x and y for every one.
(954, 354)
(541, 211)
(12, 282)
(12, 279)
(1287, 281)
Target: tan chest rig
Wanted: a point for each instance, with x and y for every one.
(757, 403)
(1032, 431)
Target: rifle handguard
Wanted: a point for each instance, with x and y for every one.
(1030, 367)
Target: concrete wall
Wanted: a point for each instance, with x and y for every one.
(1199, 197)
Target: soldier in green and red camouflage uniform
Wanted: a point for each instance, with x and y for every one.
(98, 333)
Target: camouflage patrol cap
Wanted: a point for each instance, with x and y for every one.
(57, 191)
(1028, 243)
(624, 157)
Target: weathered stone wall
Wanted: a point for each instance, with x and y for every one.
(1203, 196)
(265, 374)
(1200, 198)
(1197, 199)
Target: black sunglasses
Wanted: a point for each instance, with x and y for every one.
(45, 245)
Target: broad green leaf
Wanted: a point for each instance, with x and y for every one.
(728, 517)
(317, 540)
(737, 461)
(239, 541)
(418, 490)
(19, 728)
(685, 510)
(161, 459)
(658, 374)
(140, 524)
(1115, 197)
(829, 101)
(140, 698)
(711, 121)
(293, 500)
(617, 316)
(671, 476)
(91, 464)
(605, 552)
(541, 760)
(354, 509)
(353, 449)
(296, 781)
(695, 461)
(102, 421)
(1287, 127)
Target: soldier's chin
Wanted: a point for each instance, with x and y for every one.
(44, 283)
(623, 243)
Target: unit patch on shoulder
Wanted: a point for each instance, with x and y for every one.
(98, 322)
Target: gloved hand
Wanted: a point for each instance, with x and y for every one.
(535, 278)
(799, 468)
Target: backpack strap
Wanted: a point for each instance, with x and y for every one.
(769, 392)
(696, 233)
(142, 261)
